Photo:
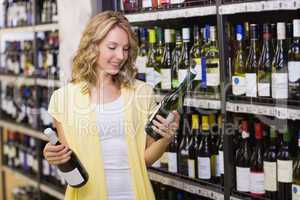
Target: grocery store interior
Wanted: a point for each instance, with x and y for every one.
(239, 130)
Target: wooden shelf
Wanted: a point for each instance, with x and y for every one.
(20, 175)
(52, 192)
(23, 129)
(36, 28)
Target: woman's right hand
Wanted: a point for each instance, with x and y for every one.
(56, 154)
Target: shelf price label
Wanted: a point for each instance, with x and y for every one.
(287, 5)
(281, 113)
(253, 7)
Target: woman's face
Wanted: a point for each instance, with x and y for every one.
(114, 50)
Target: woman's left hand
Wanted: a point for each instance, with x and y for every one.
(165, 127)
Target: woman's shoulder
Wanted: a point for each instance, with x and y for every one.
(141, 86)
(69, 87)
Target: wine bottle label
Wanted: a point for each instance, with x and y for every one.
(238, 85)
(35, 165)
(204, 169)
(243, 179)
(29, 160)
(198, 69)
(257, 183)
(285, 171)
(50, 59)
(270, 169)
(46, 168)
(5, 149)
(213, 72)
(295, 192)
(45, 116)
(73, 177)
(204, 72)
(147, 3)
(181, 75)
(251, 89)
(294, 71)
(221, 162)
(263, 89)
(172, 162)
(280, 85)
(191, 168)
(165, 78)
(156, 164)
(141, 64)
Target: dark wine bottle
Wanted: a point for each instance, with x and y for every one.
(172, 101)
(72, 171)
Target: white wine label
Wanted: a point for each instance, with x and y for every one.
(191, 168)
(165, 78)
(46, 168)
(181, 75)
(172, 162)
(257, 183)
(29, 160)
(213, 79)
(35, 165)
(147, 3)
(243, 179)
(285, 171)
(5, 149)
(270, 169)
(204, 169)
(150, 76)
(21, 157)
(221, 162)
(50, 59)
(280, 85)
(294, 71)
(156, 164)
(295, 192)
(73, 177)
(238, 85)
(140, 64)
(198, 69)
(263, 89)
(251, 89)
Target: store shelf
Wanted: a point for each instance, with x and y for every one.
(172, 14)
(37, 28)
(51, 191)
(48, 82)
(259, 6)
(202, 103)
(21, 175)
(23, 129)
(280, 112)
(185, 184)
(19, 80)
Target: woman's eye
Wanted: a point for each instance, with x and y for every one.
(112, 48)
(127, 49)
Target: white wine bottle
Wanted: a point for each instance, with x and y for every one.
(172, 101)
(72, 171)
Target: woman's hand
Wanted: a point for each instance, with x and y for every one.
(56, 154)
(167, 127)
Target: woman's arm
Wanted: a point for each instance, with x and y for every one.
(155, 149)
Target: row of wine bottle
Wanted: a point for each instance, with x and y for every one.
(26, 104)
(20, 153)
(18, 56)
(20, 13)
(164, 63)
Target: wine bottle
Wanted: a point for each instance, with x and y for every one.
(296, 174)
(204, 152)
(213, 66)
(152, 76)
(183, 152)
(184, 61)
(170, 102)
(142, 54)
(279, 67)
(192, 160)
(252, 62)
(172, 155)
(166, 62)
(238, 78)
(204, 49)
(72, 171)
(175, 60)
(285, 169)
(256, 164)
(242, 161)
(294, 63)
(220, 158)
(215, 176)
(158, 55)
(265, 64)
(195, 56)
(270, 166)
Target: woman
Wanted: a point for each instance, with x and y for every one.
(101, 115)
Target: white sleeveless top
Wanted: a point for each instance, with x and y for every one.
(110, 121)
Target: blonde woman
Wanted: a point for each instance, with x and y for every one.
(101, 115)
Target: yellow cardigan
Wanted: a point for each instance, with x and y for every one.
(73, 110)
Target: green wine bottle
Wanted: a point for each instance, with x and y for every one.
(166, 63)
(172, 101)
(175, 60)
(195, 56)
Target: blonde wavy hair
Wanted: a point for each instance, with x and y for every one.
(84, 66)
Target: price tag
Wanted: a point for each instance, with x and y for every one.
(253, 7)
(190, 188)
(297, 4)
(214, 104)
(297, 114)
(287, 5)
(241, 108)
(281, 113)
(229, 107)
(275, 5)
(174, 14)
(175, 183)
